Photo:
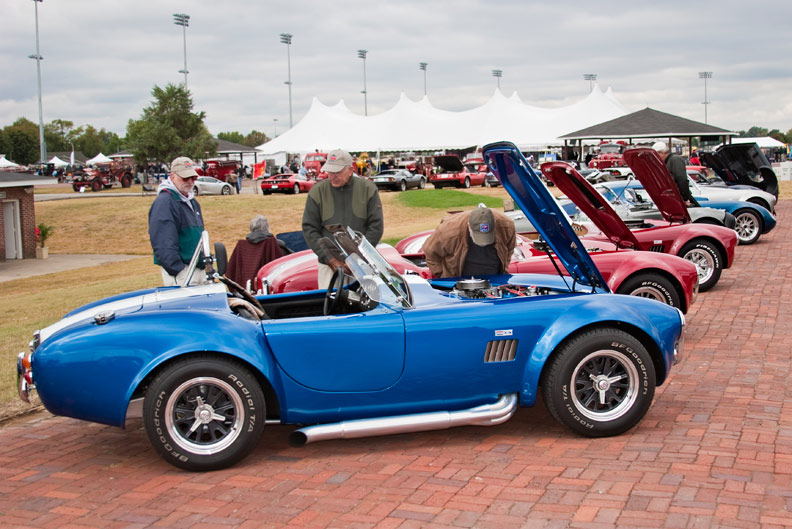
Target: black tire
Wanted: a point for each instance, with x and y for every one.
(96, 184)
(76, 188)
(652, 286)
(748, 225)
(402, 185)
(707, 259)
(196, 191)
(437, 186)
(126, 180)
(466, 183)
(296, 189)
(196, 393)
(612, 358)
(422, 183)
(267, 192)
(226, 190)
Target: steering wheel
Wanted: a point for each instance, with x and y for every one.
(238, 289)
(336, 295)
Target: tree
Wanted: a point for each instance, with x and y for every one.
(235, 137)
(756, 132)
(255, 138)
(58, 134)
(168, 128)
(22, 139)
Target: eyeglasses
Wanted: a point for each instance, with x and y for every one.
(193, 178)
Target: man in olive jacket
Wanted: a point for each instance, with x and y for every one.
(475, 243)
(176, 224)
(340, 199)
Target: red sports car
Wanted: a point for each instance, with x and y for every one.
(452, 172)
(665, 278)
(287, 183)
(709, 247)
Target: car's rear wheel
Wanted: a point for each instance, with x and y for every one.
(204, 413)
(651, 286)
(707, 260)
(748, 226)
(126, 180)
(599, 383)
(402, 185)
(96, 184)
(76, 188)
(422, 183)
(226, 190)
(296, 189)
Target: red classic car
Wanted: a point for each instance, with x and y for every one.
(664, 278)
(313, 164)
(709, 247)
(219, 169)
(296, 272)
(287, 183)
(610, 155)
(452, 172)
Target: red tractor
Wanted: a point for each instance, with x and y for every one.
(610, 155)
(105, 176)
(313, 164)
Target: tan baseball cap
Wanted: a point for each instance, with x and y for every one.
(337, 160)
(482, 226)
(183, 167)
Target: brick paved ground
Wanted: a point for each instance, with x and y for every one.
(715, 450)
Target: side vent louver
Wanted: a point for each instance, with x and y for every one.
(657, 248)
(500, 351)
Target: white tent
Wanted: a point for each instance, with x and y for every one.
(99, 158)
(58, 162)
(765, 142)
(420, 126)
(7, 164)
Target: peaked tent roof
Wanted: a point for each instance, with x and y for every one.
(647, 123)
(99, 158)
(5, 164)
(229, 147)
(764, 142)
(420, 126)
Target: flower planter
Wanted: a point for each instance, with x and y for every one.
(42, 253)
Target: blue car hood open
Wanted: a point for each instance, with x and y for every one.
(530, 194)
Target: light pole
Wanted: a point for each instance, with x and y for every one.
(590, 77)
(497, 74)
(180, 19)
(362, 55)
(275, 124)
(286, 39)
(38, 57)
(705, 76)
(422, 66)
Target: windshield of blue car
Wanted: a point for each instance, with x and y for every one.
(392, 289)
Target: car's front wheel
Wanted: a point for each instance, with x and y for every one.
(652, 286)
(402, 185)
(204, 413)
(748, 226)
(707, 260)
(599, 383)
(296, 189)
(422, 183)
(226, 190)
(466, 183)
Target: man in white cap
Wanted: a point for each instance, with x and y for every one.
(175, 224)
(476, 243)
(676, 166)
(340, 199)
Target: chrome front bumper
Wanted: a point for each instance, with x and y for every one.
(24, 376)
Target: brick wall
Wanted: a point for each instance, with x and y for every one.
(28, 217)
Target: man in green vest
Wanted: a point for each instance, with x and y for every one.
(342, 199)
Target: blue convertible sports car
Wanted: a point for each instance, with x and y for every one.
(377, 353)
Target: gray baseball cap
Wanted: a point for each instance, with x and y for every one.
(337, 160)
(482, 226)
(183, 167)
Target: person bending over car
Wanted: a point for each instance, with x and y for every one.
(175, 224)
(340, 199)
(676, 166)
(476, 243)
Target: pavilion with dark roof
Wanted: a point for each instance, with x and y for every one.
(651, 124)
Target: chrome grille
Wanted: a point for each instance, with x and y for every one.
(500, 351)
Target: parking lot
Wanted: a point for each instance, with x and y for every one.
(715, 450)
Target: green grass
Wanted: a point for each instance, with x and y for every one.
(446, 198)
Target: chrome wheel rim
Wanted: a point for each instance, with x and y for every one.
(204, 415)
(650, 293)
(705, 264)
(746, 226)
(605, 385)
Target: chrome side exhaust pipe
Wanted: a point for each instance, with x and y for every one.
(485, 415)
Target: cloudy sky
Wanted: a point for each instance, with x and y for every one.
(102, 58)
